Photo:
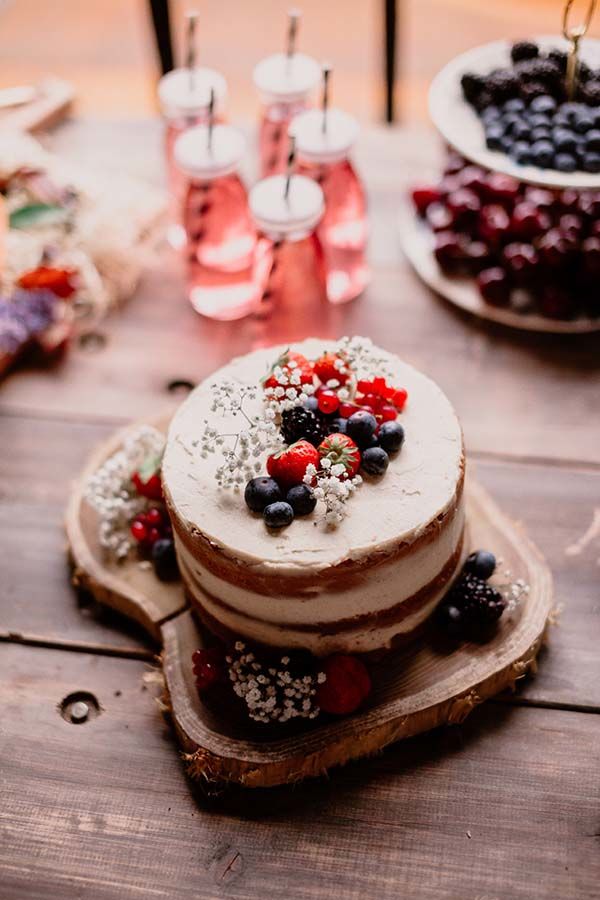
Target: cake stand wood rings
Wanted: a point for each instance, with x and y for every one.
(460, 126)
(417, 242)
(415, 689)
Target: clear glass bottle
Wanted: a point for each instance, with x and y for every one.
(323, 154)
(288, 266)
(220, 234)
(184, 97)
(285, 83)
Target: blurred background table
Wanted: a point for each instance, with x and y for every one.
(504, 806)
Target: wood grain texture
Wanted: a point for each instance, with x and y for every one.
(129, 588)
(492, 376)
(504, 806)
(555, 504)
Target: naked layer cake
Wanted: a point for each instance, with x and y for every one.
(316, 498)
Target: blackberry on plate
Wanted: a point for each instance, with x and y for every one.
(482, 100)
(542, 70)
(503, 84)
(590, 93)
(471, 85)
(531, 89)
(299, 424)
(524, 50)
(559, 58)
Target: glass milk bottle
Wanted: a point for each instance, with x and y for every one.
(220, 234)
(288, 264)
(324, 139)
(284, 81)
(184, 96)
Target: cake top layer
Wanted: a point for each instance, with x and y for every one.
(419, 485)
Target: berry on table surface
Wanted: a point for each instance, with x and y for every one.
(278, 515)
(302, 499)
(260, 492)
(481, 563)
(375, 461)
(300, 423)
(331, 367)
(361, 427)
(347, 685)
(288, 466)
(340, 449)
(164, 559)
(390, 436)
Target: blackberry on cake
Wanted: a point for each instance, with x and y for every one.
(301, 423)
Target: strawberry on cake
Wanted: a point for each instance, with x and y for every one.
(316, 498)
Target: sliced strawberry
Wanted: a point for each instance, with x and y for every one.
(341, 449)
(330, 367)
(288, 467)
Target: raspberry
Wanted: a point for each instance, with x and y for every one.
(341, 449)
(346, 686)
(288, 467)
(300, 423)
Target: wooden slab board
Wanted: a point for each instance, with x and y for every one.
(128, 587)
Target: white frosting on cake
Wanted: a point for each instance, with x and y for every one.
(419, 496)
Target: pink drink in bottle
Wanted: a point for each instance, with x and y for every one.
(184, 96)
(288, 268)
(324, 139)
(220, 233)
(285, 82)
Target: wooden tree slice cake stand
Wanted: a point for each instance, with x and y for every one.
(416, 689)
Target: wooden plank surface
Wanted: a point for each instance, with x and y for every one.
(504, 806)
(521, 395)
(39, 458)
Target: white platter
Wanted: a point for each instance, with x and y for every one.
(417, 243)
(461, 127)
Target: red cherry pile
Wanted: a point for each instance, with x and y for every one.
(531, 248)
(151, 526)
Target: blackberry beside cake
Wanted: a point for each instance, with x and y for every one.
(316, 498)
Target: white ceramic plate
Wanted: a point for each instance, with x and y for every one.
(417, 244)
(460, 125)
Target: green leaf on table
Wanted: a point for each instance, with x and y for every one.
(37, 214)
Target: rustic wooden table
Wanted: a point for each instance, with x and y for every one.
(504, 806)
